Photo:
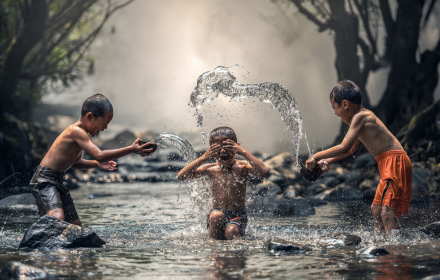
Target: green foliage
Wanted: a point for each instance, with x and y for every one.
(62, 56)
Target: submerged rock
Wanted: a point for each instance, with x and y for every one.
(276, 245)
(340, 193)
(373, 251)
(280, 206)
(17, 270)
(340, 239)
(432, 277)
(432, 229)
(49, 232)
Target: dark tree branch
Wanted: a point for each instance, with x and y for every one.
(363, 13)
(428, 13)
(390, 27)
(321, 25)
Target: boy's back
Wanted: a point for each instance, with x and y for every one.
(373, 133)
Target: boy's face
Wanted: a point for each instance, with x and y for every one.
(341, 110)
(98, 124)
(224, 157)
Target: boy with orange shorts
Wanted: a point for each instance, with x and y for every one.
(394, 191)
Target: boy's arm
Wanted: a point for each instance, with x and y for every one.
(352, 150)
(83, 140)
(194, 169)
(343, 149)
(256, 167)
(86, 164)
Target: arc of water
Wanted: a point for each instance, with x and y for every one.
(210, 84)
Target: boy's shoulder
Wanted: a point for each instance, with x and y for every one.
(364, 116)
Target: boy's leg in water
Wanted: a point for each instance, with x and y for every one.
(59, 214)
(232, 232)
(376, 210)
(389, 219)
(216, 223)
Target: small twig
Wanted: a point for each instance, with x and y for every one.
(9, 177)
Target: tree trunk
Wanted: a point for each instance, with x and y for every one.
(19, 47)
(402, 99)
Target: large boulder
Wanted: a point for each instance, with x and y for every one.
(283, 170)
(432, 229)
(49, 232)
(19, 271)
(280, 206)
(340, 193)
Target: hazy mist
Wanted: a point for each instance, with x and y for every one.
(149, 67)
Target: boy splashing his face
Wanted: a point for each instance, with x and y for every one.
(52, 196)
(227, 218)
(394, 191)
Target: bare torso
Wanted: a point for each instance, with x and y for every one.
(229, 186)
(64, 152)
(375, 135)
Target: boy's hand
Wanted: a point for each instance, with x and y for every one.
(211, 152)
(231, 146)
(310, 163)
(141, 149)
(324, 165)
(107, 165)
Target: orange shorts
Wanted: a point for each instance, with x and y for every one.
(394, 189)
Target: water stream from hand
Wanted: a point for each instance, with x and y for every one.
(210, 84)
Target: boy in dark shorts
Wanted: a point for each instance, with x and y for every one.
(52, 196)
(394, 191)
(227, 218)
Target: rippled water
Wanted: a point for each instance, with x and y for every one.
(152, 232)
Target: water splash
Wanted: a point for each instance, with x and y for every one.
(199, 190)
(210, 84)
(181, 144)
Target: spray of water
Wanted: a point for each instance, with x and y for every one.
(220, 80)
(198, 189)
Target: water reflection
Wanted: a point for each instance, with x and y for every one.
(228, 265)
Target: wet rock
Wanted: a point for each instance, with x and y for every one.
(18, 271)
(420, 187)
(267, 189)
(364, 161)
(316, 188)
(340, 239)
(330, 181)
(49, 232)
(276, 245)
(374, 251)
(314, 201)
(280, 206)
(290, 192)
(18, 205)
(99, 195)
(368, 194)
(432, 277)
(340, 193)
(432, 229)
(123, 139)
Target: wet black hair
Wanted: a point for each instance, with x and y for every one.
(346, 90)
(96, 104)
(223, 131)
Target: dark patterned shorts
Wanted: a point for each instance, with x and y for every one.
(51, 192)
(238, 218)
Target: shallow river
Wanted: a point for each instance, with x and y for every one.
(153, 231)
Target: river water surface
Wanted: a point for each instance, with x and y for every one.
(152, 232)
